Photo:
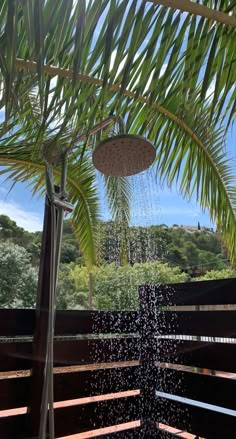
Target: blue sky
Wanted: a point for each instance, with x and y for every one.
(151, 204)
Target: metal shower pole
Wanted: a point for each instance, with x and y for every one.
(42, 360)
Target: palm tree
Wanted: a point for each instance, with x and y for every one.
(68, 65)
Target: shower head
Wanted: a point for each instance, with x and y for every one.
(123, 155)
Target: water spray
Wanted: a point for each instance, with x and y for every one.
(117, 156)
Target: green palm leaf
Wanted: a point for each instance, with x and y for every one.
(81, 189)
(143, 61)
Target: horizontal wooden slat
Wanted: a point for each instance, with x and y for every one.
(205, 388)
(214, 356)
(96, 351)
(167, 323)
(15, 391)
(88, 322)
(213, 292)
(205, 423)
(96, 415)
(99, 382)
(133, 433)
(17, 355)
(204, 323)
(16, 322)
(76, 419)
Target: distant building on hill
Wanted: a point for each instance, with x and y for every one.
(192, 229)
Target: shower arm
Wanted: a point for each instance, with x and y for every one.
(60, 199)
(98, 127)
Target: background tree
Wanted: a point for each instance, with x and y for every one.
(163, 260)
(9, 230)
(221, 274)
(116, 287)
(18, 278)
(176, 256)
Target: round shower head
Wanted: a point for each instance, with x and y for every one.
(123, 155)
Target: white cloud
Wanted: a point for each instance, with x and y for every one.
(30, 221)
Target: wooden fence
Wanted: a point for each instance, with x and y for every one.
(201, 340)
(122, 369)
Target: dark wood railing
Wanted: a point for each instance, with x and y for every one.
(195, 348)
(96, 353)
(154, 357)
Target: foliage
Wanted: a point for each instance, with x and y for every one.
(116, 287)
(74, 281)
(32, 241)
(69, 253)
(176, 256)
(194, 253)
(158, 254)
(66, 66)
(66, 289)
(18, 279)
(9, 230)
(221, 274)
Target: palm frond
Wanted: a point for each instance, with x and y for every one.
(150, 48)
(81, 189)
(202, 9)
(119, 195)
(170, 76)
(199, 166)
